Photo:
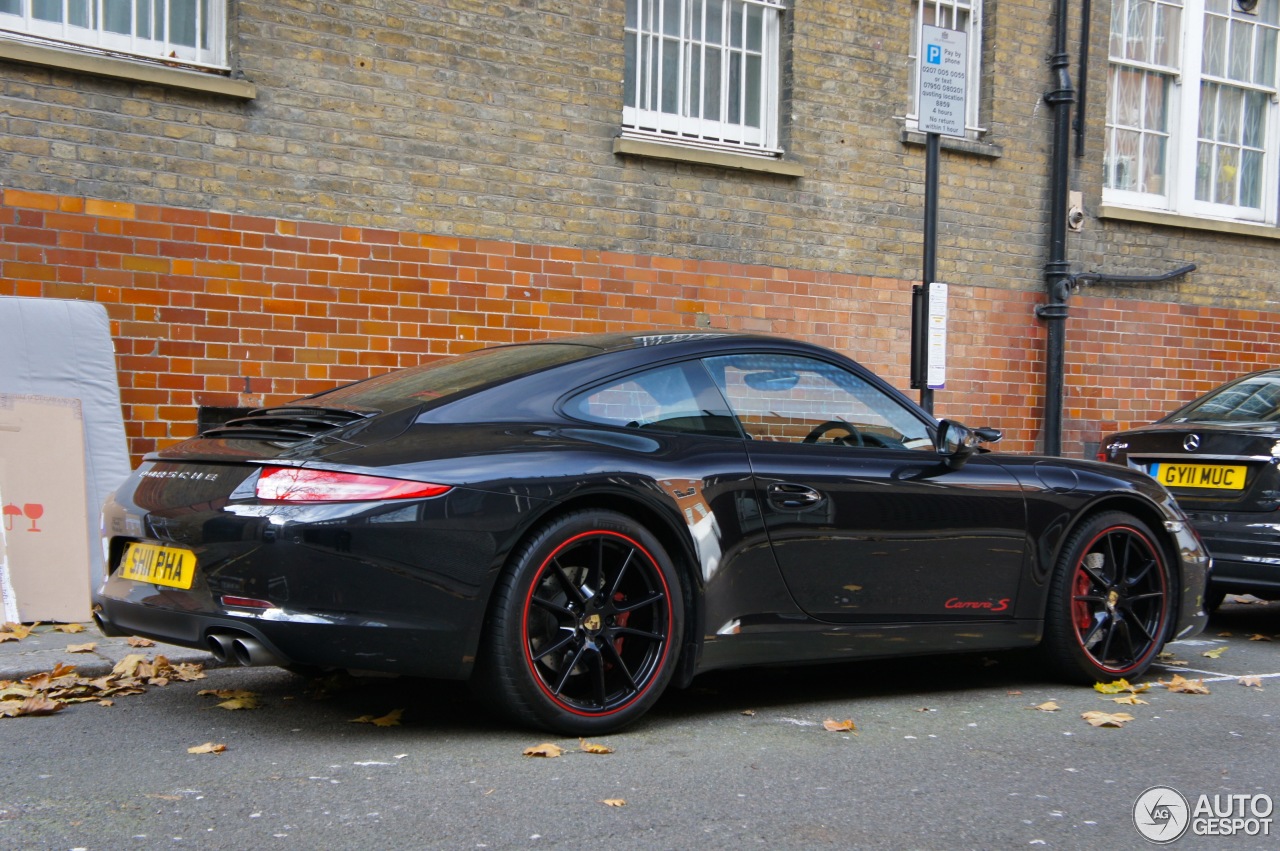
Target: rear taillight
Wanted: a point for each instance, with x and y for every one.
(291, 484)
(247, 603)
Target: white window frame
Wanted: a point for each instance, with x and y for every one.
(1182, 126)
(944, 14)
(658, 46)
(83, 24)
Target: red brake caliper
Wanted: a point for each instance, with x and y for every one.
(621, 621)
(1080, 608)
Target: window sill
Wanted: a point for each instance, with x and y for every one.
(951, 143)
(723, 159)
(124, 69)
(1177, 220)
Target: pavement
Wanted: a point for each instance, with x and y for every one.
(46, 647)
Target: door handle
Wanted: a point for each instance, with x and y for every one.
(794, 497)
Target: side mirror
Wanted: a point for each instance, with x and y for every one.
(956, 442)
(988, 435)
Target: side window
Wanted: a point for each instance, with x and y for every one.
(704, 73)
(800, 400)
(1192, 108)
(188, 32)
(670, 398)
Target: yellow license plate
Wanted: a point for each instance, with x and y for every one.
(159, 565)
(1212, 476)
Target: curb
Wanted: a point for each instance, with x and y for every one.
(46, 648)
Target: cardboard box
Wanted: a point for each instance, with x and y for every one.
(44, 559)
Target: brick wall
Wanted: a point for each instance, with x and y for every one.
(414, 182)
(226, 310)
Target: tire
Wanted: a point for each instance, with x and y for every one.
(1111, 601)
(585, 626)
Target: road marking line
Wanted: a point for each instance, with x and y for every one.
(1218, 677)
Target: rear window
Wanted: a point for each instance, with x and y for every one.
(1250, 400)
(454, 375)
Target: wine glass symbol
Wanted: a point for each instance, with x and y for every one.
(34, 511)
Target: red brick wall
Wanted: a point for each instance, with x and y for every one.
(227, 310)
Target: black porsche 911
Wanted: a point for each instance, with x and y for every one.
(1220, 457)
(578, 523)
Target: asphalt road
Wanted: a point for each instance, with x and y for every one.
(947, 754)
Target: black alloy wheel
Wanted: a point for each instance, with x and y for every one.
(586, 626)
(1111, 602)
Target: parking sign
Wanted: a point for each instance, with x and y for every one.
(943, 66)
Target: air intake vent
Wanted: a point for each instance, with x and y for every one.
(287, 424)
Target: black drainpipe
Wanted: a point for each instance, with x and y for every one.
(1056, 275)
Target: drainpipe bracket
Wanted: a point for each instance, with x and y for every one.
(1052, 311)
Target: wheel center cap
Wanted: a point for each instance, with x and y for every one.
(1113, 597)
(592, 623)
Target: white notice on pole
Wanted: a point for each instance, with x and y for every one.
(936, 376)
(943, 69)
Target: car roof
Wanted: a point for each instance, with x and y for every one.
(621, 340)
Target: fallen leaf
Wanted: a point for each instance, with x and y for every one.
(1181, 685)
(185, 671)
(1013, 693)
(20, 631)
(69, 628)
(749, 712)
(36, 705)
(589, 747)
(1256, 682)
(1106, 719)
(106, 703)
(1215, 653)
(239, 703)
(614, 802)
(135, 641)
(1259, 637)
(7, 636)
(833, 726)
(547, 749)
(1224, 634)
(1129, 700)
(225, 693)
(207, 747)
(129, 665)
(1048, 706)
(82, 648)
(1119, 686)
(391, 719)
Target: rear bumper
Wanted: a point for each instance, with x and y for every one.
(397, 587)
(295, 639)
(1245, 550)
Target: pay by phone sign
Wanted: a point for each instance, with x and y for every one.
(943, 65)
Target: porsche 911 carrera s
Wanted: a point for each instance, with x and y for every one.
(576, 524)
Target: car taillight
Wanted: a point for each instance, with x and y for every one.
(291, 484)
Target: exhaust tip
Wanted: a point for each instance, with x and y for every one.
(220, 647)
(251, 652)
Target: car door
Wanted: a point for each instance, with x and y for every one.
(866, 521)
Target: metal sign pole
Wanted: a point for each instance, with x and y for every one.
(920, 300)
(940, 109)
